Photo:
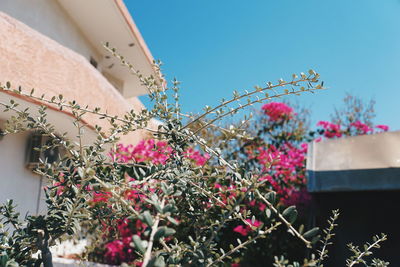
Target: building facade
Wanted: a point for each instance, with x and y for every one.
(56, 47)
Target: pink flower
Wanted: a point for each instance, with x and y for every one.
(262, 206)
(255, 223)
(123, 228)
(243, 230)
(361, 127)
(114, 251)
(277, 111)
(101, 196)
(304, 146)
(384, 128)
(331, 130)
(197, 157)
(301, 197)
(285, 166)
(60, 188)
(157, 152)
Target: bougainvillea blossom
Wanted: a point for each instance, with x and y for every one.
(285, 167)
(382, 127)
(277, 111)
(157, 152)
(244, 230)
(282, 162)
(331, 130)
(362, 128)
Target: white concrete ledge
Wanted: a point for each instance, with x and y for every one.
(359, 163)
(60, 262)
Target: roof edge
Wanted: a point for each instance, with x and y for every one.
(40, 103)
(134, 29)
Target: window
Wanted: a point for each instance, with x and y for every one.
(41, 148)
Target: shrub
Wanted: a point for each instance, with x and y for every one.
(163, 202)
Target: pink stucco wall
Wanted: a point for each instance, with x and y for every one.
(32, 60)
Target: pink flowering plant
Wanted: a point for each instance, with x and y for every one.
(173, 200)
(277, 149)
(114, 245)
(355, 117)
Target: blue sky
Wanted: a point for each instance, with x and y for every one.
(217, 46)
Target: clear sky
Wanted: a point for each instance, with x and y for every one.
(217, 46)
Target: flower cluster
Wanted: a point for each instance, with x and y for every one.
(382, 127)
(330, 130)
(120, 250)
(244, 230)
(149, 150)
(156, 152)
(280, 152)
(284, 167)
(277, 111)
(198, 158)
(362, 128)
(117, 240)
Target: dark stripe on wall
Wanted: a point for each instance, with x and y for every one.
(354, 180)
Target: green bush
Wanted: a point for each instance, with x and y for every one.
(179, 214)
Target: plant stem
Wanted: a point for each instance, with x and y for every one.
(244, 244)
(147, 254)
(289, 225)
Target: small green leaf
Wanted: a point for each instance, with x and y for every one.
(147, 218)
(290, 214)
(311, 233)
(315, 239)
(156, 262)
(172, 220)
(164, 231)
(268, 213)
(271, 197)
(138, 243)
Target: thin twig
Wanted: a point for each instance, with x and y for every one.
(147, 254)
(288, 224)
(244, 244)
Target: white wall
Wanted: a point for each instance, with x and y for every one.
(16, 181)
(48, 18)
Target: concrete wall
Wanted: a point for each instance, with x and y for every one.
(16, 181)
(48, 18)
(59, 262)
(371, 151)
(357, 163)
(31, 60)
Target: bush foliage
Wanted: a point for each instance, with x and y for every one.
(180, 198)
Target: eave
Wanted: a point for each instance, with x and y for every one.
(104, 21)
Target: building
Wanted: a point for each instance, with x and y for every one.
(360, 176)
(56, 47)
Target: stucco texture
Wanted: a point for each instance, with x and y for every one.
(32, 60)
